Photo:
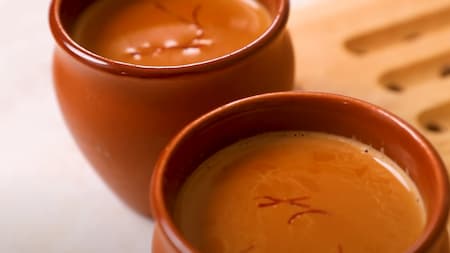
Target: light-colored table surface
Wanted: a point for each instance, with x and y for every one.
(51, 200)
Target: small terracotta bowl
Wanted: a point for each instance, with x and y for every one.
(306, 111)
(121, 115)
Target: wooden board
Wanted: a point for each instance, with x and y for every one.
(395, 54)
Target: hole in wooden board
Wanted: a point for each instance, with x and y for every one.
(445, 71)
(359, 51)
(433, 127)
(394, 87)
(406, 31)
(436, 119)
(417, 73)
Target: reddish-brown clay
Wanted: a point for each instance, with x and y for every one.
(300, 111)
(122, 115)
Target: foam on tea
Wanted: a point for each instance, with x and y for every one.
(169, 32)
(299, 192)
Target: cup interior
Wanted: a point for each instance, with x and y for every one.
(304, 111)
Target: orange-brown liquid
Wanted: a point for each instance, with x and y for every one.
(299, 192)
(169, 32)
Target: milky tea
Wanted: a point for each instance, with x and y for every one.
(169, 32)
(299, 192)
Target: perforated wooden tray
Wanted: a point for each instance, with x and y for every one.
(395, 54)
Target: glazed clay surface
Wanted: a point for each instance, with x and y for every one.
(121, 116)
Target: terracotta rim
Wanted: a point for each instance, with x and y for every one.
(161, 214)
(120, 68)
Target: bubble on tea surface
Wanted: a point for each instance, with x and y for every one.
(170, 43)
(202, 42)
(137, 57)
(146, 45)
(191, 51)
(130, 50)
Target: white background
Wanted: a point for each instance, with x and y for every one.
(51, 200)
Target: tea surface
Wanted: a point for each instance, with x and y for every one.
(169, 32)
(299, 192)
